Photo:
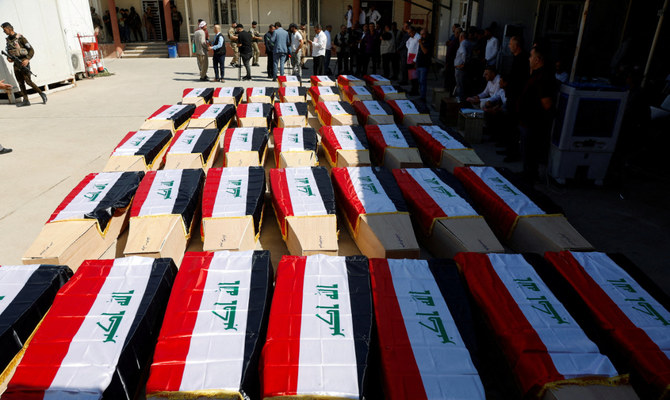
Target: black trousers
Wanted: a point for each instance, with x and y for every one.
(319, 65)
(343, 63)
(387, 59)
(271, 65)
(22, 78)
(246, 58)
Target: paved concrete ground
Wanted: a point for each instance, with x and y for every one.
(56, 145)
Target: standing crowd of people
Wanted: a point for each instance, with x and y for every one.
(132, 26)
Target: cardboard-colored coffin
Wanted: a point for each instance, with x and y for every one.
(442, 149)
(288, 81)
(290, 115)
(197, 96)
(393, 147)
(254, 115)
(292, 94)
(228, 95)
(323, 93)
(336, 113)
(373, 112)
(410, 113)
(193, 148)
(345, 146)
(353, 94)
(171, 117)
(295, 147)
(212, 116)
(140, 151)
(261, 95)
(245, 147)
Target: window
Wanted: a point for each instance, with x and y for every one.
(224, 11)
(313, 12)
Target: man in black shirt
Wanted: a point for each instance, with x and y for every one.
(423, 60)
(244, 41)
(269, 48)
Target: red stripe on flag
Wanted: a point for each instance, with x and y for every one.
(124, 140)
(249, 92)
(88, 178)
(350, 93)
(396, 110)
(369, 79)
(346, 196)
(181, 314)
(142, 193)
(314, 81)
(329, 142)
(242, 110)
(281, 353)
(427, 143)
(160, 110)
(525, 351)
(277, 110)
(51, 342)
(314, 93)
(376, 141)
(277, 134)
(421, 205)
(402, 379)
(497, 212)
(227, 138)
(281, 78)
(174, 140)
(342, 80)
(210, 191)
(201, 109)
(281, 199)
(217, 92)
(645, 355)
(362, 112)
(323, 112)
(183, 94)
(379, 93)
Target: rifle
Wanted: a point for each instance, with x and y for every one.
(17, 63)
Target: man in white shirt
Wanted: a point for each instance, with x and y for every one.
(491, 47)
(459, 67)
(329, 48)
(492, 86)
(297, 43)
(319, 50)
(361, 17)
(374, 16)
(349, 16)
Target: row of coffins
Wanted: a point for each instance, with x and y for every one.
(567, 326)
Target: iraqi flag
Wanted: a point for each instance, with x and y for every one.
(349, 80)
(234, 192)
(170, 192)
(432, 140)
(177, 114)
(99, 334)
(294, 139)
(221, 114)
(193, 95)
(432, 195)
(261, 95)
(425, 328)
(148, 144)
(195, 141)
(292, 94)
(502, 201)
(376, 80)
(214, 327)
(288, 81)
(318, 339)
(26, 293)
(366, 190)
(301, 192)
(228, 95)
(628, 310)
(284, 112)
(336, 138)
(99, 196)
(245, 140)
(356, 93)
(324, 93)
(381, 137)
(322, 80)
(255, 110)
(388, 92)
(327, 110)
(373, 112)
(542, 342)
(404, 108)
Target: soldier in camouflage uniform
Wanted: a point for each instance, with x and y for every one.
(232, 35)
(254, 44)
(18, 46)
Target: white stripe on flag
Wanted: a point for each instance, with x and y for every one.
(378, 78)
(393, 136)
(287, 109)
(291, 91)
(163, 193)
(334, 108)
(254, 109)
(186, 142)
(388, 89)
(407, 107)
(443, 360)
(258, 91)
(360, 90)
(216, 352)
(291, 78)
(304, 192)
(226, 92)
(90, 196)
(642, 309)
(323, 78)
(241, 140)
(194, 92)
(443, 137)
(572, 352)
(324, 90)
(442, 194)
(212, 111)
(347, 138)
(374, 108)
(370, 191)
(327, 361)
(292, 140)
(170, 112)
(231, 196)
(351, 78)
(517, 201)
(133, 145)
(12, 280)
(87, 368)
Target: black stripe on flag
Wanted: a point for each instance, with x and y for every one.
(238, 92)
(407, 135)
(225, 115)
(359, 131)
(154, 145)
(259, 140)
(22, 315)
(325, 188)
(141, 340)
(118, 198)
(257, 321)
(540, 199)
(183, 115)
(190, 193)
(268, 112)
(453, 183)
(271, 92)
(390, 187)
(398, 89)
(256, 195)
(385, 107)
(207, 94)
(348, 108)
(206, 142)
(301, 108)
(302, 91)
(421, 107)
(309, 138)
(445, 272)
(358, 275)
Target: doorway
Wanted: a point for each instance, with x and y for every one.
(158, 17)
